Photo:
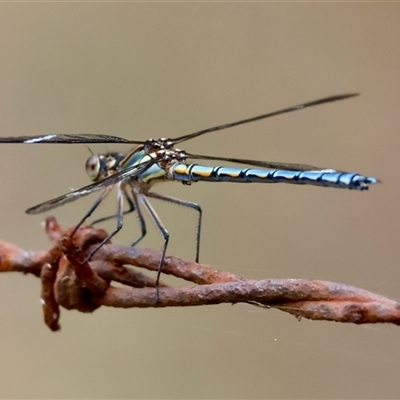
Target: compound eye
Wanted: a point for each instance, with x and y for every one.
(93, 166)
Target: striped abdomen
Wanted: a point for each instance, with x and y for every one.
(326, 177)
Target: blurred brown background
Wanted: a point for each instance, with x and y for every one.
(145, 70)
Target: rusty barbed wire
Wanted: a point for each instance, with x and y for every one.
(69, 281)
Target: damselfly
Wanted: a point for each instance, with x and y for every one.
(156, 160)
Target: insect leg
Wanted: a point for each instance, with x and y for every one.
(149, 208)
(188, 204)
(131, 208)
(119, 216)
(142, 223)
(91, 210)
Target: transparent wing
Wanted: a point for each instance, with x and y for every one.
(262, 164)
(68, 138)
(77, 194)
(329, 99)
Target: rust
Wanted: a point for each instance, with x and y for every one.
(51, 309)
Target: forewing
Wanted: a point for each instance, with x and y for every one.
(302, 106)
(125, 174)
(53, 138)
(256, 163)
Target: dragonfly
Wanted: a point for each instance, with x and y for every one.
(156, 160)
